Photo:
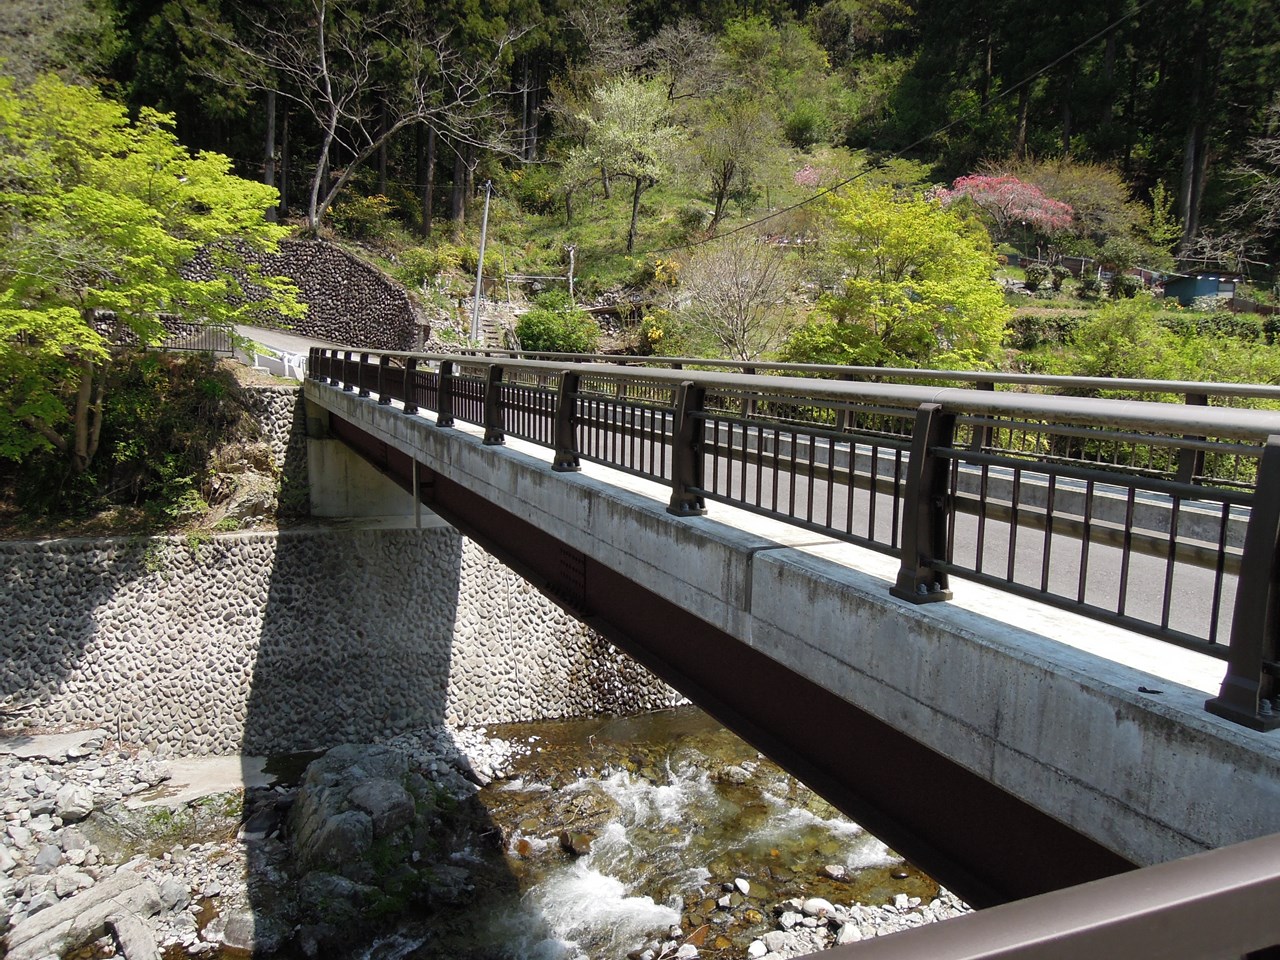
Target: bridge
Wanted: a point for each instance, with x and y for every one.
(1028, 640)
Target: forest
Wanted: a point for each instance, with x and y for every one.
(876, 182)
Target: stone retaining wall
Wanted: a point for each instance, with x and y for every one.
(266, 642)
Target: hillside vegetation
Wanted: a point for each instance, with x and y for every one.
(850, 181)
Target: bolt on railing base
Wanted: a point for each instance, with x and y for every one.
(920, 593)
(1219, 707)
(687, 509)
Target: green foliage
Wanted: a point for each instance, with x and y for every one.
(99, 214)
(1090, 286)
(1036, 274)
(1129, 338)
(555, 325)
(917, 287)
(535, 188)
(364, 218)
(806, 124)
(1058, 276)
(163, 416)
(419, 265)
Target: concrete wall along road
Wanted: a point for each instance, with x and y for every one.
(266, 642)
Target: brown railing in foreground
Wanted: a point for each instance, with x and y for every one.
(1161, 518)
(1219, 905)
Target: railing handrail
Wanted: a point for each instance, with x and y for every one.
(1163, 418)
(1215, 904)
(932, 454)
(1257, 391)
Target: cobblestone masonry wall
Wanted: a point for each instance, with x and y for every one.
(266, 642)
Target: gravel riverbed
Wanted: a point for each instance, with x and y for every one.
(100, 833)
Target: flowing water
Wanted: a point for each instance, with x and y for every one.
(614, 831)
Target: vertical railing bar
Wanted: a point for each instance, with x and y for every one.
(1126, 549)
(873, 490)
(791, 475)
(953, 482)
(776, 470)
(1047, 553)
(1014, 505)
(1170, 562)
(808, 490)
(980, 551)
(1219, 571)
(759, 498)
(1087, 534)
(831, 480)
(895, 526)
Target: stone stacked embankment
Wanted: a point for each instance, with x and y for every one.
(276, 641)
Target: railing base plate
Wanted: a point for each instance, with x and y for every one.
(1254, 721)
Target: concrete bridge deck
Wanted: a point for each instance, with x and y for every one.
(1008, 747)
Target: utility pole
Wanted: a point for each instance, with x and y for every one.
(484, 229)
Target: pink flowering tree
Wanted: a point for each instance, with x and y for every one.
(1007, 201)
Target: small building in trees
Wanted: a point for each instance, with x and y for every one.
(1186, 288)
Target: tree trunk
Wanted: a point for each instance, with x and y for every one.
(88, 417)
(1191, 186)
(1109, 75)
(635, 214)
(382, 150)
(604, 182)
(1024, 108)
(458, 197)
(269, 150)
(284, 166)
(1066, 112)
(426, 175)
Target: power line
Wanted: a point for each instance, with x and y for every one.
(883, 162)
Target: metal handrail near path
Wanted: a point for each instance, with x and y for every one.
(1161, 518)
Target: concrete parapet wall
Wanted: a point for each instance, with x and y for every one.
(1097, 728)
(271, 642)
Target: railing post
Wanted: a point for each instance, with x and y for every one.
(566, 436)
(410, 375)
(493, 431)
(686, 453)
(748, 400)
(347, 385)
(384, 395)
(982, 435)
(313, 363)
(360, 375)
(1191, 462)
(444, 395)
(1250, 686)
(842, 415)
(924, 525)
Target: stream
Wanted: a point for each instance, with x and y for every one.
(644, 836)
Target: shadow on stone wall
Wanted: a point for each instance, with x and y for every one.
(52, 595)
(355, 651)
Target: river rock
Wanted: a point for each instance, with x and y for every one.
(74, 802)
(134, 939)
(77, 920)
(389, 805)
(818, 907)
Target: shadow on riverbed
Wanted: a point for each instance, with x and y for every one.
(356, 649)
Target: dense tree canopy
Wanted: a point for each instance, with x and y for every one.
(98, 216)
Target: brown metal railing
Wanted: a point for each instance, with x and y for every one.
(1080, 502)
(1219, 905)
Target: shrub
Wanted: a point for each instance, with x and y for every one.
(1058, 274)
(555, 325)
(1124, 285)
(1090, 286)
(1036, 274)
(363, 218)
(535, 188)
(806, 125)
